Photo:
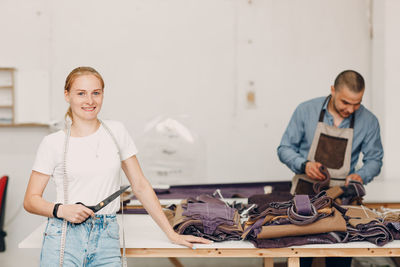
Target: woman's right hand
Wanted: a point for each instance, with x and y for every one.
(74, 213)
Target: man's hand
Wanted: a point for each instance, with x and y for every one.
(312, 171)
(355, 177)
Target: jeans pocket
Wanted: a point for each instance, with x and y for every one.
(54, 227)
(113, 229)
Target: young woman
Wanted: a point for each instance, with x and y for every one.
(84, 160)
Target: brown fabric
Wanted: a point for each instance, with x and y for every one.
(170, 216)
(360, 215)
(328, 224)
(263, 200)
(305, 186)
(308, 186)
(334, 192)
(324, 184)
(390, 215)
(179, 218)
(330, 151)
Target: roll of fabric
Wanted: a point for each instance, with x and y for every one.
(328, 224)
(319, 186)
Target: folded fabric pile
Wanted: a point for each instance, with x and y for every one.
(296, 222)
(280, 220)
(206, 216)
(391, 219)
(364, 224)
(318, 220)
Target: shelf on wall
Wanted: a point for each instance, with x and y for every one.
(7, 104)
(2, 124)
(7, 101)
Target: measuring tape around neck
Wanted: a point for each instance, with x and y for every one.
(65, 190)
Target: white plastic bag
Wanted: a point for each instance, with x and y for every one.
(171, 153)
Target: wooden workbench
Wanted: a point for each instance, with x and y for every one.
(145, 239)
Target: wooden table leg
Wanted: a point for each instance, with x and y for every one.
(294, 262)
(175, 262)
(268, 262)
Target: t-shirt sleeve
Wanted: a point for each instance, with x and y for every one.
(127, 146)
(45, 159)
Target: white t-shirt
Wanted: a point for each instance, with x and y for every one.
(93, 164)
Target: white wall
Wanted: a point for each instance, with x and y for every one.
(17, 151)
(25, 45)
(199, 58)
(386, 69)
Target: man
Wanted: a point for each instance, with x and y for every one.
(333, 131)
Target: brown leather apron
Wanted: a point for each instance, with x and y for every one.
(331, 147)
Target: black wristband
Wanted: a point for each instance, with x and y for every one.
(55, 210)
(303, 166)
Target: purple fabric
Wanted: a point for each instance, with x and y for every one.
(239, 190)
(318, 187)
(133, 211)
(217, 236)
(302, 205)
(212, 215)
(209, 199)
(374, 232)
(298, 219)
(209, 217)
(394, 229)
(209, 210)
(263, 200)
(353, 190)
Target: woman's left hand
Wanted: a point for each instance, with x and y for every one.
(187, 240)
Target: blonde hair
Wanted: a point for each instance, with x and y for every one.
(75, 73)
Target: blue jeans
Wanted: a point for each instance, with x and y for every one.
(92, 243)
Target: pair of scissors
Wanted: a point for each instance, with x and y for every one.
(105, 202)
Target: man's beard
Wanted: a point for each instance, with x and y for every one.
(337, 110)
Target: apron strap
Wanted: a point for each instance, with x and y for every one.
(322, 113)
(352, 120)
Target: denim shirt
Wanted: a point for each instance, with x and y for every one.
(299, 134)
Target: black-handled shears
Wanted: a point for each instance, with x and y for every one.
(105, 202)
